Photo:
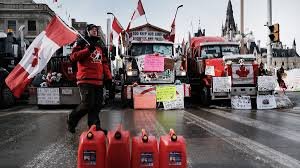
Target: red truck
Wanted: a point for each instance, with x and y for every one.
(216, 70)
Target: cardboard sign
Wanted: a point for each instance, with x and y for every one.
(48, 96)
(146, 101)
(144, 90)
(179, 102)
(241, 102)
(210, 70)
(153, 64)
(266, 83)
(165, 93)
(266, 102)
(169, 64)
(221, 84)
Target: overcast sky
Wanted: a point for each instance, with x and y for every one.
(211, 13)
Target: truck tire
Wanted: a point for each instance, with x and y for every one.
(7, 97)
(205, 97)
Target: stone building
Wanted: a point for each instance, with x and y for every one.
(15, 13)
(288, 58)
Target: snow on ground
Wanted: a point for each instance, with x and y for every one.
(292, 80)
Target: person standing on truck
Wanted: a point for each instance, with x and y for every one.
(93, 72)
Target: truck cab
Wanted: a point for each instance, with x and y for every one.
(149, 61)
(217, 70)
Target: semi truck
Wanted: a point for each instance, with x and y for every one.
(147, 45)
(217, 70)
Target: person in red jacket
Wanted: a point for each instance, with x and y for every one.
(93, 71)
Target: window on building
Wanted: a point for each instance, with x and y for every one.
(275, 63)
(31, 25)
(282, 64)
(12, 25)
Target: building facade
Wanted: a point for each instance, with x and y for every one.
(16, 13)
(288, 58)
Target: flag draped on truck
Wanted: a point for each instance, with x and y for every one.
(38, 54)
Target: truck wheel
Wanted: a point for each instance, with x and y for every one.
(7, 97)
(205, 97)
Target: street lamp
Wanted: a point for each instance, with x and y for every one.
(177, 9)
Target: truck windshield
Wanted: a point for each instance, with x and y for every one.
(229, 50)
(142, 49)
(218, 51)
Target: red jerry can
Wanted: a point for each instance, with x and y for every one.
(92, 149)
(118, 150)
(172, 151)
(144, 151)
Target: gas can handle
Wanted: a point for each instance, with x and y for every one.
(173, 135)
(118, 134)
(144, 136)
(92, 128)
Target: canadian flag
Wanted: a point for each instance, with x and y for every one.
(171, 35)
(137, 13)
(116, 30)
(38, 54)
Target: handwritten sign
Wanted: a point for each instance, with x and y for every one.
(221, 84)
(153, 64)
(266, 102)
(165, 93)
(210, 70)
(48, 96)
(176, 104)
(241, 102)
(266, 83)
(179, 102)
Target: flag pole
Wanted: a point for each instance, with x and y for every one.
(177, 10)
(146, 18)
(71, 27)
(80, 35)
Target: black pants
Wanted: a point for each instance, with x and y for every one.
(91, 103)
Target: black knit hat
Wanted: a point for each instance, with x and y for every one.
(90, 26)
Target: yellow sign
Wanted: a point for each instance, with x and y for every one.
(165, 93)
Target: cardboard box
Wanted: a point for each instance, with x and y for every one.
(144, 101)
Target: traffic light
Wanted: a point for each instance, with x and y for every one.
(274, 36)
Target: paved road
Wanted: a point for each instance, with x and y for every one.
(216, 137)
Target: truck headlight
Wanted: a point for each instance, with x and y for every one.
(181, 73)
(132, 73)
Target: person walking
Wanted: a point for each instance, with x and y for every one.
(93, 72)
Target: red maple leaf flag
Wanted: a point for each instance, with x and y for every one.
(38, 54)
(137, 13)
(171, 35)
(116, 30)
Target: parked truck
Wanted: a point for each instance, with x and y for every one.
(217, 70)
(8, 59)
(148, 41)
